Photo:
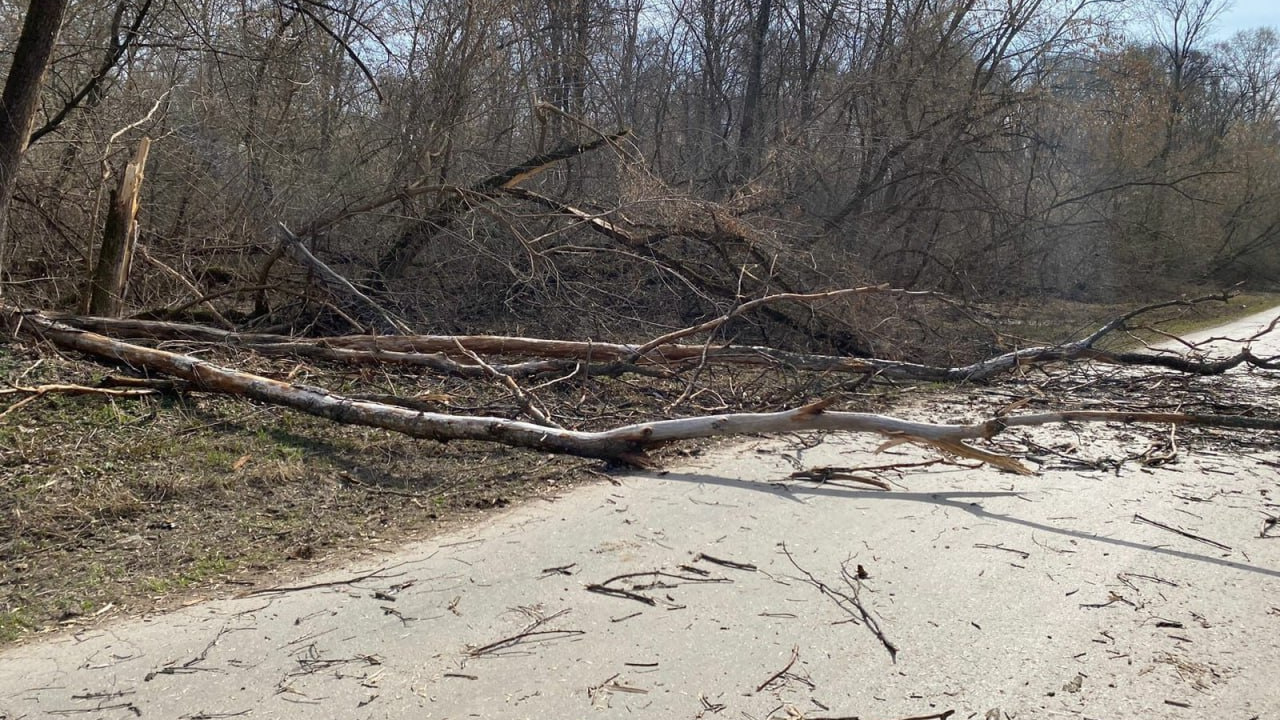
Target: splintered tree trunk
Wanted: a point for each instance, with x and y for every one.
(21, 98)
(111, 275)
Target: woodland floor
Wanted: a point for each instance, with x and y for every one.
(113, 507)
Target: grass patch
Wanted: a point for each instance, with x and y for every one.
(14, 624)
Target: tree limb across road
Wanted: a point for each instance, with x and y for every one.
(627, 443)
(447, 353)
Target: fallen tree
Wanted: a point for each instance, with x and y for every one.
(448, 353)
(626, 444)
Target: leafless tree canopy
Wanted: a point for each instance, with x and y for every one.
(610, 168)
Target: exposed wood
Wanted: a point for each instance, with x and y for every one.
(360, 353)
(627, 443)
(39, 391)
(115, 257)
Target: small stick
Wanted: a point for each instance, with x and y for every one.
(827, 474)
(936, 716)
(616, 592)
(795, 655)
(726, 563)
(520, 637)
(1124, 578)
(896, 466)
(1183, 533)
(376, 574)
(844, 601)
(661, 573)
(525, 400)
(1267, 526)
(985, 546)
(122, 381)
(41, 390)
(855, 584)
(559, 570)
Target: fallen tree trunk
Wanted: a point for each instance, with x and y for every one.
(437, 352)
(627, 443)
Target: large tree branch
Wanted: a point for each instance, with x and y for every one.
(341, 288)
(626, 443)
(436, 351)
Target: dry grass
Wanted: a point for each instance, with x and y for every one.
(111, 505)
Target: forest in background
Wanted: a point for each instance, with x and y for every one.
(610, 168)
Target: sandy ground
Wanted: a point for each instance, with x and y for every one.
(1084, 591)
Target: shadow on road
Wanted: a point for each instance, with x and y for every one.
(960, 500)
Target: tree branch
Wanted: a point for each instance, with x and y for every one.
(627, 443)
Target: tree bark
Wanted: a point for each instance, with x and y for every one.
(748, 146)
(20, 101)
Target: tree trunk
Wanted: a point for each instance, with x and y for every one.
(111, 275)
(748, 145)
(663, 354)
(21, 99)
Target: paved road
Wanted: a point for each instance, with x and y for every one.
(973, 591)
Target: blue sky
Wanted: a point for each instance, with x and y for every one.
(1248, 14)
